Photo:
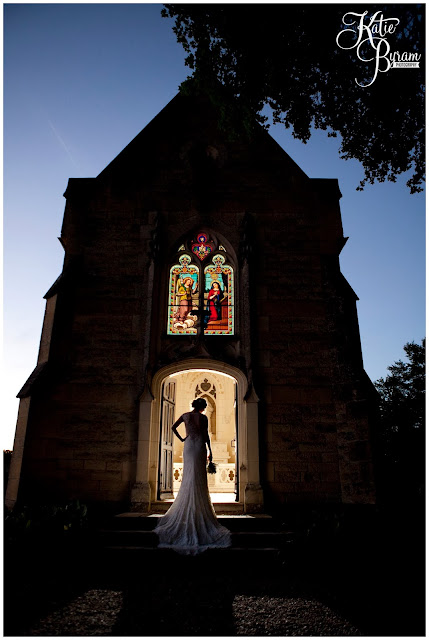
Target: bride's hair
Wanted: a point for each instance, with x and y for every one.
(199, 403)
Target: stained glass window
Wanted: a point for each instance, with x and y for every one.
(201, 290)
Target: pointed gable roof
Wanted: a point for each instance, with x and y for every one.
(194, 118)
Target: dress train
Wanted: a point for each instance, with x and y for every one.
(190, 526)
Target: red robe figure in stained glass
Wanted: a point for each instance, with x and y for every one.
(213, 302)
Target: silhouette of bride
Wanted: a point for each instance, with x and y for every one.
(190, 525)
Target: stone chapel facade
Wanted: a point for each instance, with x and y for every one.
(198, 266)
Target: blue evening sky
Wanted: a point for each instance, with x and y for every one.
(80, 82)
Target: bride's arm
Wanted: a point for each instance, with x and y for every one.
(174, 428)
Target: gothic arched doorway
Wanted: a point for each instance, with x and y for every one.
(220, 392)
(239, 406)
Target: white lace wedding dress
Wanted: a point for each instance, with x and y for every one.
(190, 525)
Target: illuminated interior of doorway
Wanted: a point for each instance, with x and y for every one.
(219, 391)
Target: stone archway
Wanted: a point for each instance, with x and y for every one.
(145, 489)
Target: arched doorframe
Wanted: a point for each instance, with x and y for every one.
(145, 489)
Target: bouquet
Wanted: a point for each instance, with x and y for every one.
(211, 467)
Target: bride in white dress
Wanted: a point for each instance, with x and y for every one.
(190, 526)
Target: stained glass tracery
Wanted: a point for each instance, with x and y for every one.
(202, 248)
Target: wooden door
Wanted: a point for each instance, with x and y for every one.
(166, 444)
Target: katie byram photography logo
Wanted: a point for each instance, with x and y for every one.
(369, 35)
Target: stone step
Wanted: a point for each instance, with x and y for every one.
(137, 521)
(260, 552)
(221, 508)
(122, 561)
(257, 541)
(148, 539)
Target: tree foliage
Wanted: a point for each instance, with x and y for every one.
(401, 429)
(286, 56)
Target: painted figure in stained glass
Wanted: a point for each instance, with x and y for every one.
(183, 297)
(214, 299)
(184, 291)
